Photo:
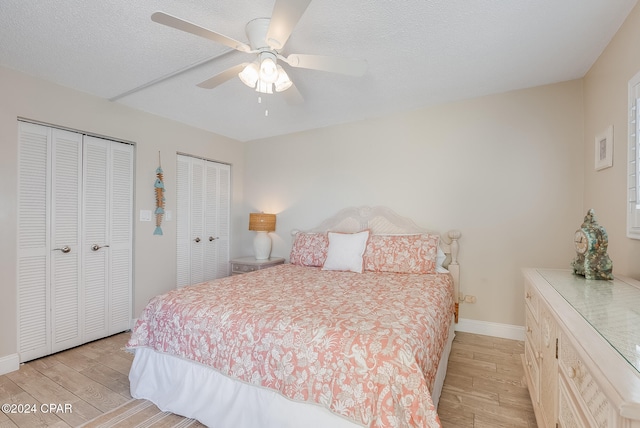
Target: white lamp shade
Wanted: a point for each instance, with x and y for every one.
(262, 245)
(268, 70)
(283, 83)
(249, 75)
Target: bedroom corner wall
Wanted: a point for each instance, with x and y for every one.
(504, 169)
(606, 98)
(154, 256)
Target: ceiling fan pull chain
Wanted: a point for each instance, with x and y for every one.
(266, 110)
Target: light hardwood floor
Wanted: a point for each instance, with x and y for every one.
(484, 386)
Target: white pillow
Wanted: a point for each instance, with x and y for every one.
(440, 260)
(345, 251)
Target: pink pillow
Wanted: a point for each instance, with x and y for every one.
(309, 249)
(402, 253)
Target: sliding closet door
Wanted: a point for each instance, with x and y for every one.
(202, 215)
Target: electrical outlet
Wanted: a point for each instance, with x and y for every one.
(470, 299)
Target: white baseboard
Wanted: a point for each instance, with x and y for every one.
(505, 331)
(9, 363)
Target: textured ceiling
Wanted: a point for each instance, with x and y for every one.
(419, 53)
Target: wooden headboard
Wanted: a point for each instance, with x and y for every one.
(384, 221)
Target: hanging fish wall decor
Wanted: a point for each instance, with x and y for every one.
(159, 188)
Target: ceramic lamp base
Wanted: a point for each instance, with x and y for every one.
(262, 246)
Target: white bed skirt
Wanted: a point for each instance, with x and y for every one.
(197, 391)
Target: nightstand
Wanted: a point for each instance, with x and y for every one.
(249, 264)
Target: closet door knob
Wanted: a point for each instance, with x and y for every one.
(211, 238)
(64, 249)
(197, 239)
(96, 247)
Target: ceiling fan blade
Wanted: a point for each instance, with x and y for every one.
(189, 27)
(285, 16)
(220, 78)
(292, 96)
(348, 66)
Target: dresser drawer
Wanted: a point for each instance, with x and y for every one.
(532, 300)
(532, 327)
(249, 264)
(589, 397)
(243, 268)
(568, 414)
(532, 369)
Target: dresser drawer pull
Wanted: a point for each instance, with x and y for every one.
(575, 373)
(243, 268)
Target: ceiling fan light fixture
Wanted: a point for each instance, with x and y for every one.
(250, 75)
(283, 82)
(268, 67)
(264, 87)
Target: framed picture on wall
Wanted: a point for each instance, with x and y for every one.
(604, 149)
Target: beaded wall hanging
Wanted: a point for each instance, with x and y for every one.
(159, 188)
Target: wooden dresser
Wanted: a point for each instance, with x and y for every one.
(582, 349)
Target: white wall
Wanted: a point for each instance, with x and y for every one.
(154, 256)
(505, 169)
(605, 93)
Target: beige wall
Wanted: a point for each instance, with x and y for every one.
(22, 96)
(505, 169)
(605, 94)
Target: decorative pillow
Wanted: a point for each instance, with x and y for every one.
(402, 253)
(309, 249)
(345, 251)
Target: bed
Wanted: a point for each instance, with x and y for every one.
(327, 340)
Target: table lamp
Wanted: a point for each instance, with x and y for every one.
(263, 224)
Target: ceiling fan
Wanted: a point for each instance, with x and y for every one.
(267, 37)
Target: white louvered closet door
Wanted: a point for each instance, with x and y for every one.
(121, 229)
(49, 304)
(72, 190)
(202, 216)
(66, 185)
(107, 226)
(34, 298)
(197, 203)
(183, 184)
(218, 177)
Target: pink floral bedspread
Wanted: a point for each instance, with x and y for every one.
(366, 346)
